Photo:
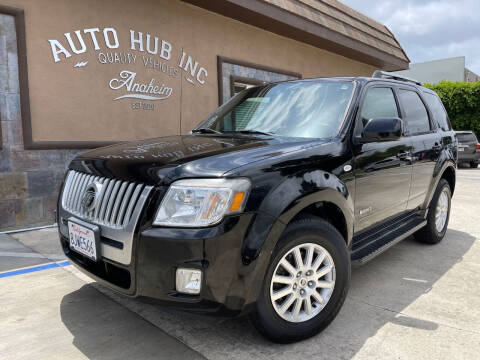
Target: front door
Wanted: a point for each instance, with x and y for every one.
(383, 170)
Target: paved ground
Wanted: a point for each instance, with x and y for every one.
(412, 302)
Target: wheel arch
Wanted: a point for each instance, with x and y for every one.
(329, 204)
(449, 175)
(447, 172)
(328, 198)
(328, 211)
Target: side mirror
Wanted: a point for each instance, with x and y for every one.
(382, 129)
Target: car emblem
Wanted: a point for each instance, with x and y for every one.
(90, 196)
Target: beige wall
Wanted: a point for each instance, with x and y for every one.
(76, 103)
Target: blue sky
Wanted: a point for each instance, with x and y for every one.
(430, 29)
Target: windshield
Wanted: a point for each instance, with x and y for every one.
(311, 109)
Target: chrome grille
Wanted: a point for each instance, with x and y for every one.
(115, 202)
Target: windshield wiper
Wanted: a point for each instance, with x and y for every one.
(205, 131)
(253, 132)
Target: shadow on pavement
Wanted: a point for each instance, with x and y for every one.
(102, 329)
(380, 290)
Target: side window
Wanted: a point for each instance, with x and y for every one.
(416, 115)
(439, 114)
(379, 103)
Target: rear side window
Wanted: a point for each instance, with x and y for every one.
(378, 103)
(416, 116)
(439, 114)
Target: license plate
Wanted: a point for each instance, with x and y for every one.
(461, 149)
(83, 240)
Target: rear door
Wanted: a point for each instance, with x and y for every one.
(426, 143)
(441, 121)
(383, 170)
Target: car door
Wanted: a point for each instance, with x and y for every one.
(425, 140)
(440, 120)
(383, 170)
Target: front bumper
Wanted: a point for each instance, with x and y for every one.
(158, 252)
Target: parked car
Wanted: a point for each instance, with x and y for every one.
(263, 208)
(468, 148)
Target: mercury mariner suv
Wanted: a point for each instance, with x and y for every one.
(263, 208)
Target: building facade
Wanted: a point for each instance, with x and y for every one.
(76, 75)
(432, 72)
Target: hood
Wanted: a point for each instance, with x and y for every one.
(162, 160)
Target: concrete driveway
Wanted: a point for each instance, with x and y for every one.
(413, 302)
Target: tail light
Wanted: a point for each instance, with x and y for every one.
(478, 147)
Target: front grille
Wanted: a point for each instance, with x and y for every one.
(115, 201)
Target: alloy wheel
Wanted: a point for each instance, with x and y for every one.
(441, 211)
(303, 282)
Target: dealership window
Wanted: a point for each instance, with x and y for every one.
(416, 116)
(240, 86)
(239, 83)
(236, 75)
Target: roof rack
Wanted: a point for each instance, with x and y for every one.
(388, 75)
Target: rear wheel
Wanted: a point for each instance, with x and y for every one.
(473, 164)
(438, 215)
(306, 282)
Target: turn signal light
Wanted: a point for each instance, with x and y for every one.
(237, 201)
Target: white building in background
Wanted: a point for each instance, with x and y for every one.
(450, 69)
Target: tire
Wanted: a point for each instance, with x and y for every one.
(473, 164)
(317, 236)
(430, 234)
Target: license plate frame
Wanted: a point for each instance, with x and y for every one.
(84, 238)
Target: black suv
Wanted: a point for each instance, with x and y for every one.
(263, 208)
(468, 148)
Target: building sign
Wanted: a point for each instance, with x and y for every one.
(142, 52)
(149, 91)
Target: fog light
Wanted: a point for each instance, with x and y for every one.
(188, 281)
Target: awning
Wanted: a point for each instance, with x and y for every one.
(326, 24)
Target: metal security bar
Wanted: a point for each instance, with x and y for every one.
(114, 203)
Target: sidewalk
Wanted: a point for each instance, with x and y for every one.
(51, 313)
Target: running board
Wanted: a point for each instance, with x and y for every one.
(363, 251)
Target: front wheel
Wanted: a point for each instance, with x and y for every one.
(438, 215)
(306, 283)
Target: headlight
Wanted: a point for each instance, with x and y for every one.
(202, 202)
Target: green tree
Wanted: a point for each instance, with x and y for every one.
(462, 102)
